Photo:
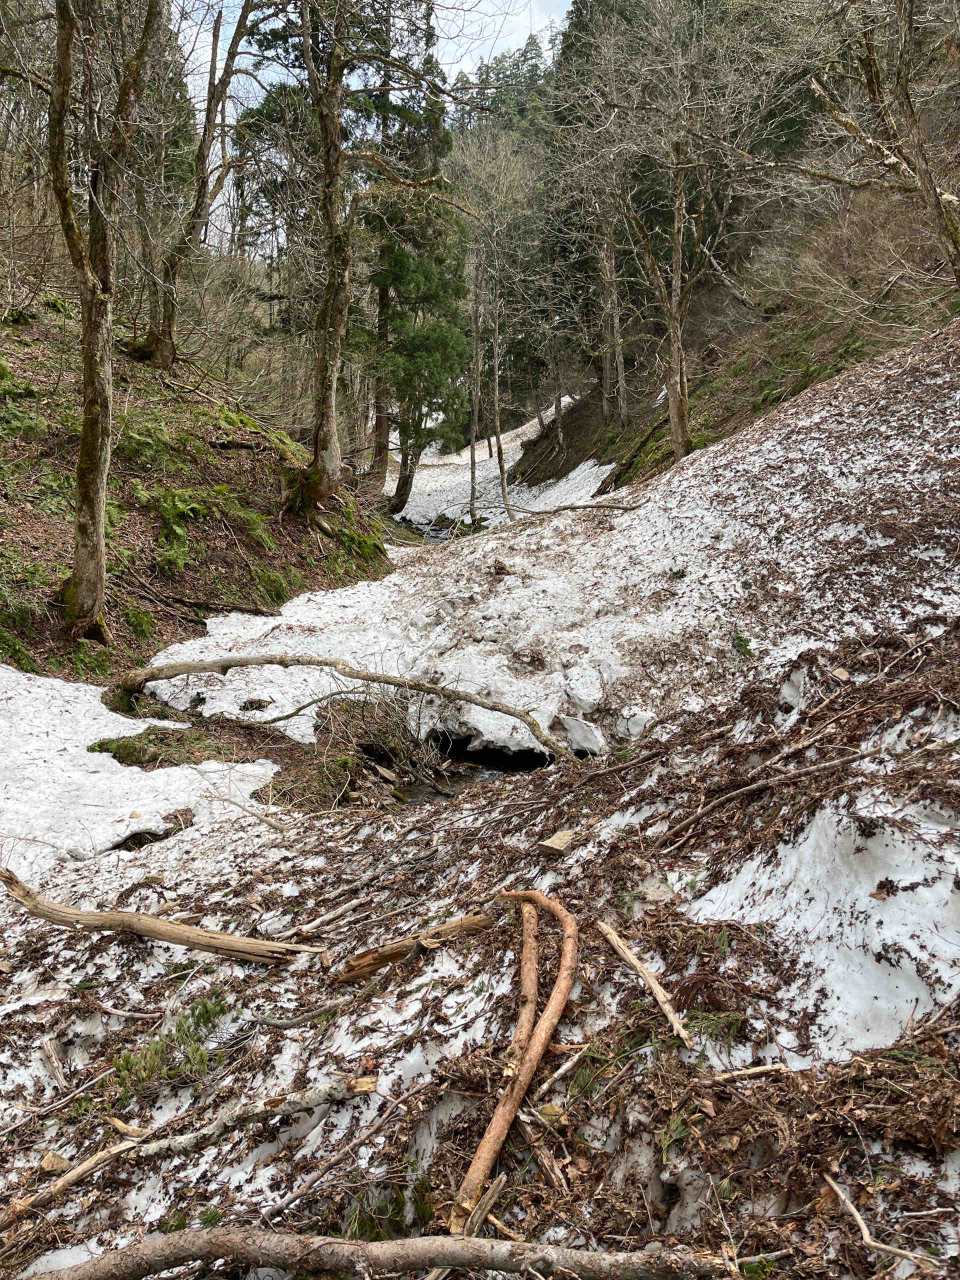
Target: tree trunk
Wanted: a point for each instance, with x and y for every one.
(409, 459)
(534, 392)
(381, 418)
(323, 475)
(677, 397)
(331, 323)
(557, 391)
(496, 402)
(83, 593)
(94, 261)
(474, 400)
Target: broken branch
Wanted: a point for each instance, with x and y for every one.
(135, 682)
(145, 926)
(316, 1255)
(656, 990)
(471, 1188)
(364, 963)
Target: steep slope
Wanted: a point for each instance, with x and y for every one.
(776, 621)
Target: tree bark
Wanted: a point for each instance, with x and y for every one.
(474, 397)
(322, 1255)
(94, 261)
(409, 458)
(677, 396)
(381, 416)
(496, 401)
(323, 476)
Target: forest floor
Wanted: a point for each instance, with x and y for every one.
(197, 523)
(758, 656)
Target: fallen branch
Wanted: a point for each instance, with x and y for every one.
(656, 990)
(317, 1255)
(135, 682)
(145, 926)
(16, 1209)
(921, 1259)
(471, 1188)
(364, 963)
(527, 1013)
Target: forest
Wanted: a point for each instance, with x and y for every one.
(479, 638)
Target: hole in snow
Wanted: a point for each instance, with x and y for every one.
(494, 758)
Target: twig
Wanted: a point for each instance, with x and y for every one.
(920, 1258)
(475, 1221)
(262, 817)
(565, 1070)
(362, 965)
(656, 990)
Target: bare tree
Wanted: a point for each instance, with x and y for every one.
(891, 101)
(161, 339)
(110, 95)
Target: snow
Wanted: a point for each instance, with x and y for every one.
(441, 485)
(802, 532)
(60, 802)
(732, 555)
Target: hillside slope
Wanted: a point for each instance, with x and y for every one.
(195, 512)
(768, 639)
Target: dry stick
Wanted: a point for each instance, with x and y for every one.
(145, 926)
(868, 1239)
(363, 1136)
(658, 993)
(17, 1208)
(475, 1221)
(527, 1013)
(360, 966)
(135, 681)
(50, 1053)
(317, 1255)
(565, 1070)
(328, 918)
(780, 780)
(746, 1073)
(470, 1189)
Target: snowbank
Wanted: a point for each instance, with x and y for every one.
(835, 517)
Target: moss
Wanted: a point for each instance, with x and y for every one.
(91, 660)
(140, 621)
(161, 747)
(15, 652)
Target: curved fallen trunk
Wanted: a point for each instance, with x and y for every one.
(135, 682)
(316, 1255)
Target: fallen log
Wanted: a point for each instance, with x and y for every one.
(318, 1255)
(657, 991)
(135, 682)
(145, 926)
(364, 963)
(471, 1188)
